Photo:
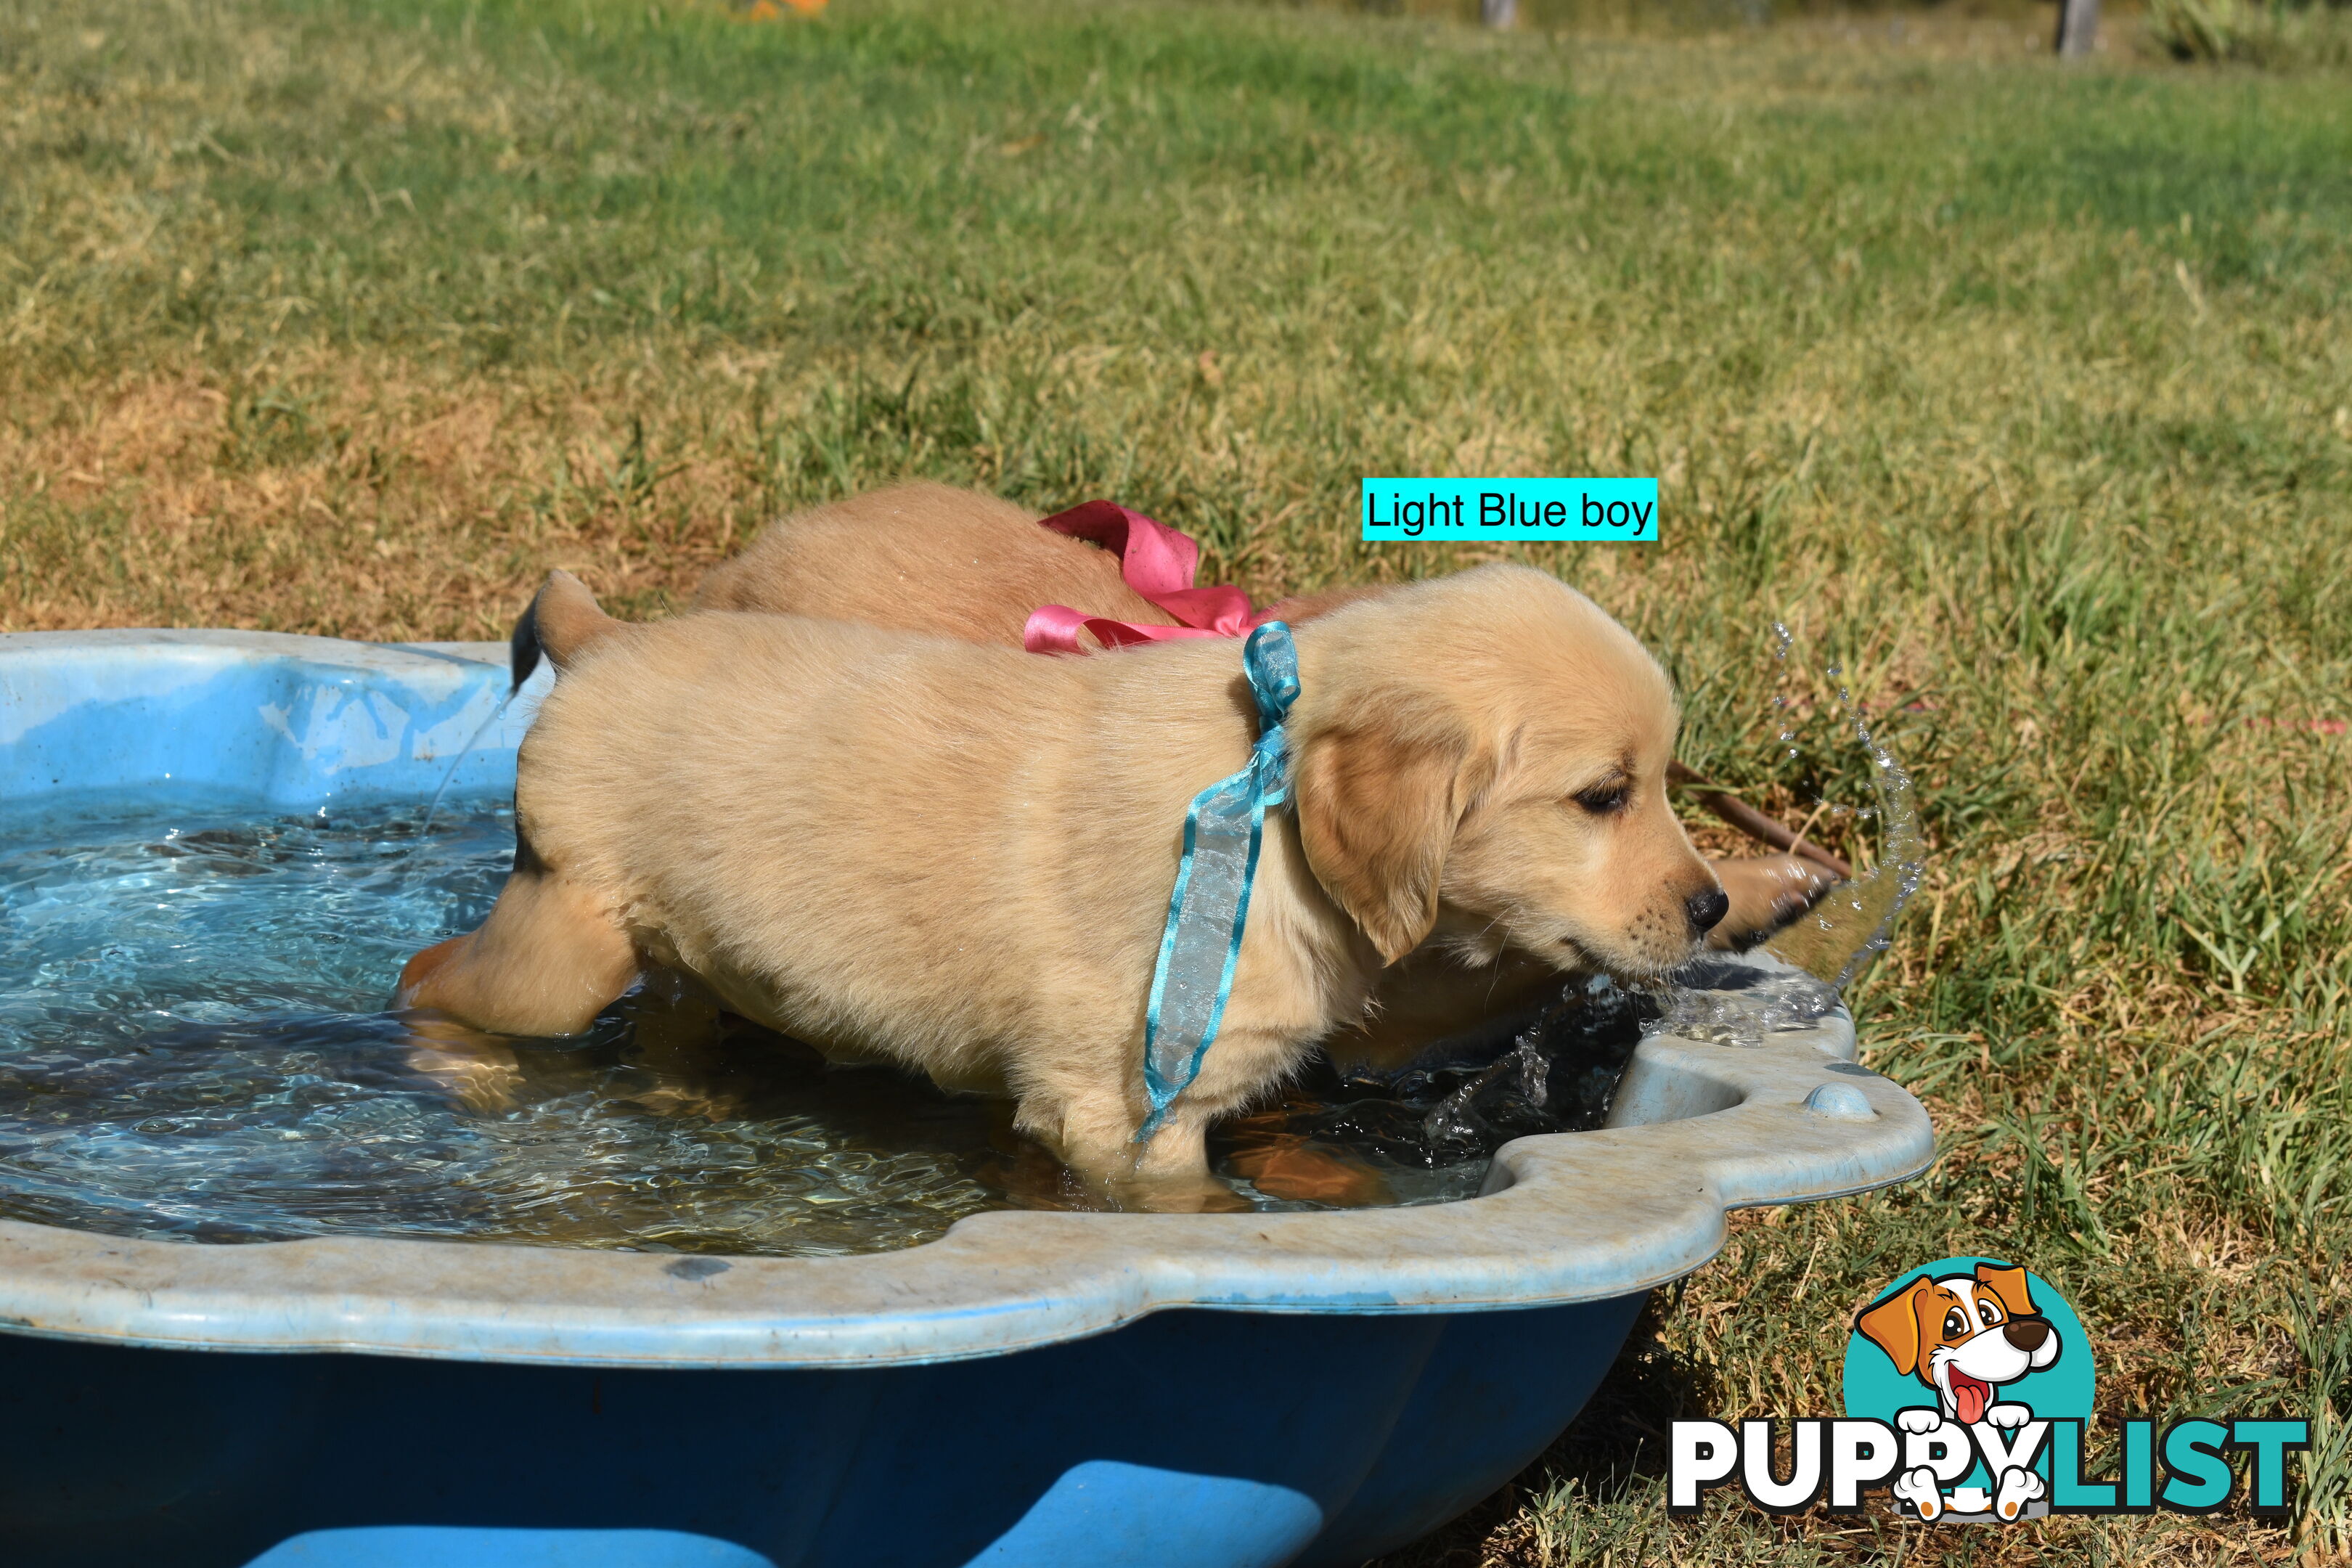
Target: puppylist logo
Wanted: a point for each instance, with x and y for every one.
(1969, 1387)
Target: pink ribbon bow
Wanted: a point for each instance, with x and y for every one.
(1158, 563)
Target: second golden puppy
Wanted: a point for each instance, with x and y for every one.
(959, 857)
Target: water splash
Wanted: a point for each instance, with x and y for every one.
(1455, 1121)
(1837, 939)
(1721, 1002)
(1833, 943)
(450, 774)
(1429, 1128)
(1782, 643)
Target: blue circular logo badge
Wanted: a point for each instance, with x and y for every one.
(1970, 1359)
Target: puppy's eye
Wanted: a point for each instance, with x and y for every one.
(1989, 1312)
(1955, 1325)
(1602, 799)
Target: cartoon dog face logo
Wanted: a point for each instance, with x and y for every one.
(1964, 1336)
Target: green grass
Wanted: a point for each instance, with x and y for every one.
(2022, 394)
(2275, 35)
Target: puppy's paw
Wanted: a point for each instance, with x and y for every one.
(1767, 892)
(2008, 1415)
(1919, 1420)
(2018, 1488)
(1918, 1489)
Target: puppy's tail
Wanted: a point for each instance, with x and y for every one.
(563, 622)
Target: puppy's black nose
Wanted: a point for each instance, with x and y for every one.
(1707, 909)
(2025, 1334)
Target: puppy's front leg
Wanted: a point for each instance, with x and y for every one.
(1092, 1133)
(1172, 1173)
(1178, 1150)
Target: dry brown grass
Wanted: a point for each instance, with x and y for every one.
(386, 504)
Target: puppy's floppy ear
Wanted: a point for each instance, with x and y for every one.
(1893, 1325)
(1377, 810)
(2009, 1284)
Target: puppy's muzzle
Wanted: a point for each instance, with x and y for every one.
(1707, 909)
(2025, 1334)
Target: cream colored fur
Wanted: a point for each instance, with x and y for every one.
(928, 557)
(924, 557)
(958, 856)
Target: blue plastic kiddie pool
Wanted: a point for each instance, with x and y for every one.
(1032, 1388)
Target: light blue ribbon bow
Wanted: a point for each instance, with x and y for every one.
(1202, 939)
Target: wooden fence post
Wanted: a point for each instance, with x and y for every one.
(1498, 13)
(2078, 23)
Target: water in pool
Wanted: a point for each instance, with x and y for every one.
(194, 1044)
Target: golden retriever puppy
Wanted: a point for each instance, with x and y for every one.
(924, 557)
(928, 557)
(958, 856)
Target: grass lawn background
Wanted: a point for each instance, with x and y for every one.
(2021, 395)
